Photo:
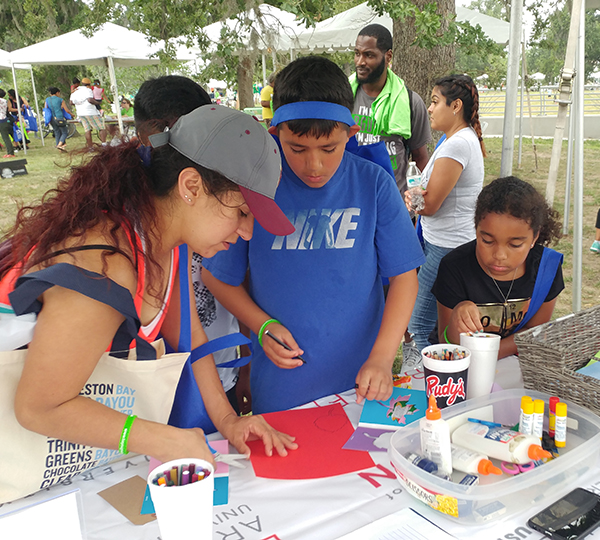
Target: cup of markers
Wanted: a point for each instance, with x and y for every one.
(181, 489)
(446, 368)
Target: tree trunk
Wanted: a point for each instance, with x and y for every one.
(420, 67)
(245, 74)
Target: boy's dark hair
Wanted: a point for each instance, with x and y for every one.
(312, 78)
(511, 195)
(2, 93)
(161, 101)
(53, 90)
(12, 94)
(97, 81)
(75, 80)
(381, 34)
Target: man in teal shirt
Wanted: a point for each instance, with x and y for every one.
(384, 108)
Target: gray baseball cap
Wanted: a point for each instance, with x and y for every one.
(237, 146)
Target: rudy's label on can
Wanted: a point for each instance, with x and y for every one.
(498, 434)
(448, 388)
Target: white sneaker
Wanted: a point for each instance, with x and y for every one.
(411, 357)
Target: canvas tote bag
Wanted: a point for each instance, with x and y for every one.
(146, 387)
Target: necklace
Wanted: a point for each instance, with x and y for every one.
(509, 290)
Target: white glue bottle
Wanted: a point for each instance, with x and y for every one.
(499, 442)
(471, 462)
(435, 438)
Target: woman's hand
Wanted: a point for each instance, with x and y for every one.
(466, 318)
(239, 429)
(279, 355)
(414, 199)
(374, 381)
(178, 444)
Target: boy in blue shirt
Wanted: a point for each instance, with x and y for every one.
(319, 289)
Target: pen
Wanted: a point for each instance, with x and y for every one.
(488, 424)
(275, 338)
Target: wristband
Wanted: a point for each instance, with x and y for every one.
(446, 336)
(264, 327)
(125, 434)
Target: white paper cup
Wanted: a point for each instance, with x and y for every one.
(184, 512)
(446, 379)
(484, 357)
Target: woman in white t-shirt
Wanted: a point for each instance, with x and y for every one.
(452, 179)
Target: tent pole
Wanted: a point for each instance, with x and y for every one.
(21, 123)
(37, 107)
(578, 158)
(566, 80)
(569, 175)
(520, 154)
(512, 86)
(115, 91)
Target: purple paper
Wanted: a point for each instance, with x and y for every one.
(369, 440)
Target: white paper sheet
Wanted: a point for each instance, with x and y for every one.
(407, 524)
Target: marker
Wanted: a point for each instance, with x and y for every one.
(285, 346)
(483, 422)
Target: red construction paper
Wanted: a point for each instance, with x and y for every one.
(320, 433)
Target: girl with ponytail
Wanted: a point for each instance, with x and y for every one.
(452, 180)
(111, 229)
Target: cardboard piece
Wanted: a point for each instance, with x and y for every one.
(320, 433)
(127, 497)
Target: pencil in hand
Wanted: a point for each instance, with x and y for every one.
(284, 345)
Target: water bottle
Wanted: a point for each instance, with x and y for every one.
(413, 175)
(413, 184)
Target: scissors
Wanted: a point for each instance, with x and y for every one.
(233, 460)
(516, 468)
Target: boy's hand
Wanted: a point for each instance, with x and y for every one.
(466, 317)
(239, 429)
(374, 381)
(279, 355)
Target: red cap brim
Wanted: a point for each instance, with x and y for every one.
(267, 213)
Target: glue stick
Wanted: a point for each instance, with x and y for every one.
(560, 434)
(552, 415)
(526, 420)
(538, 418)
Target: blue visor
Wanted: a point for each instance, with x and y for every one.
(313, 110)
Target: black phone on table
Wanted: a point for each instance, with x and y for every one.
(572, 517)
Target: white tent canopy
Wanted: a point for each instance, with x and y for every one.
(340, 31)
(5, 63)
(110, 45)
(272, 29)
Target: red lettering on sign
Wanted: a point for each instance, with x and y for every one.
(369, 476)
(449, 390)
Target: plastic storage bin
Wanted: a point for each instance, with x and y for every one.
(497, 496)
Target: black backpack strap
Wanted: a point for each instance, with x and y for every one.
(24, 299)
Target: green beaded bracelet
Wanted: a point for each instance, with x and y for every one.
(125, 434)
(446, 336)
(261, 332)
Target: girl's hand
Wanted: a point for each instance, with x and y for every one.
(239, 429)
(466, 318)
(279, 355)
(168, 442)
(374, 381)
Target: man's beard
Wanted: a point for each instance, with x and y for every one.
(374, 75)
